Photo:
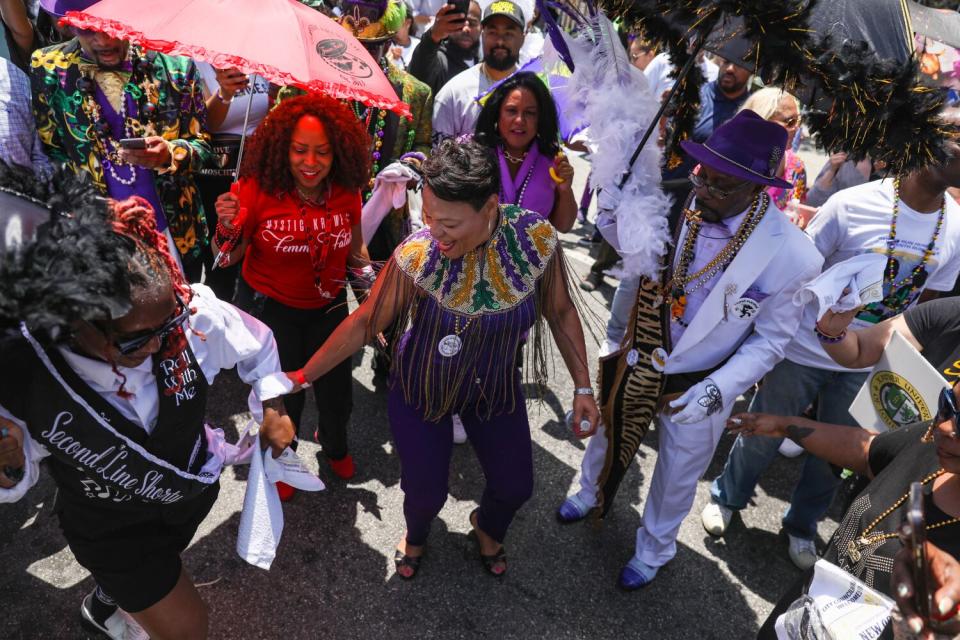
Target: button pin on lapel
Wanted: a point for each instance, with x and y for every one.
(728, 291)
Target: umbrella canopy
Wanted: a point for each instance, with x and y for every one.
(282, 40)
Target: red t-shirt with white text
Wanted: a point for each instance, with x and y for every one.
(277, 262)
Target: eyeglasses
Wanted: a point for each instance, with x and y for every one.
(947, 410)
(719, 194)
(791, 123)
(132, 345)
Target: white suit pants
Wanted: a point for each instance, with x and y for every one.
(685, 454)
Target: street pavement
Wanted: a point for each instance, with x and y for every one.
(333, 576)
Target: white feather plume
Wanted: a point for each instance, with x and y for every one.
(614, 98)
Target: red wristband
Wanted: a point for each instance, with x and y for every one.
(300, 378)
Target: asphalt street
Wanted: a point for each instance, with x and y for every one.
(334, 577)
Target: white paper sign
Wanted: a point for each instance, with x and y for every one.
(848, 608)
(903, 388)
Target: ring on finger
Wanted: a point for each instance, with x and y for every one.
(4, 432)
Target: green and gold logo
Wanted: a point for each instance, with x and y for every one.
(896, 401)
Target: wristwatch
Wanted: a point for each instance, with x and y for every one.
(583, 391)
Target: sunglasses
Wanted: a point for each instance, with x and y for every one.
(719, 194)
(132, 345)
(947, 410)
(791, 123)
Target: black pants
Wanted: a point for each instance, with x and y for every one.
(299, 333)
(223, 280)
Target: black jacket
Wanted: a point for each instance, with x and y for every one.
(434, 64)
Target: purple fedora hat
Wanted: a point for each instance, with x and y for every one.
(747, 147)
(59, 8)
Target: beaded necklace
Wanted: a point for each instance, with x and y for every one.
(100, 133)
(318, 251)
(523, 187)
(678, 288)
(375, 127)
(865, 539)
(892, 301)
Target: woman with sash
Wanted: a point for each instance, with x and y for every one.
(519, 122)
(465, 292)
(105, 365)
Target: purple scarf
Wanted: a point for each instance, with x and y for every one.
(539, 194)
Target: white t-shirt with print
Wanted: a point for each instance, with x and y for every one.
(857, 220)
(455, 107)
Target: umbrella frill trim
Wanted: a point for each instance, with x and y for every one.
(223, 60)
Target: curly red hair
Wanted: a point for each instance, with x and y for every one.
(267, 157)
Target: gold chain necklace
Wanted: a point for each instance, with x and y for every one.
(865, 539)
(677, 287)
(514, 159)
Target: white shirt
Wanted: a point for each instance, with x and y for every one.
(711, 240)
(856, 221)
(659, 70)
(455, 108)
(231, 338)
(233, 123)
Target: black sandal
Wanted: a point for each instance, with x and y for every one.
(403, 561)
(490, 562)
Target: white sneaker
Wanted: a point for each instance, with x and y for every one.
(790, 449)
(459, 433)
(119, 626)
(608, 347)
(802, 552)
(716, 518)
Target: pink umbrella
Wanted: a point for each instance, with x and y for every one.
(282, 40)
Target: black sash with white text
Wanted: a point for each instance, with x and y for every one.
(96, 452)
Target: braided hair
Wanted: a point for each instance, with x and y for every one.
(86, 263)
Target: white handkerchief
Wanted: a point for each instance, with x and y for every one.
(261, 521)
(862, 275)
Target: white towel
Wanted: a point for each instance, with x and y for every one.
(261, 521)
(389, 192)
(862, 275)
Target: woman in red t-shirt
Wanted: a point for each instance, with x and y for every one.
(297, 205)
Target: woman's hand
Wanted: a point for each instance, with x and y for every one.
(11, 451)
(277, 429)
(564, 171)
(836, 161)
(943, 581)
(758, 424)
(228, 208)
(231, 81)
(585, 409)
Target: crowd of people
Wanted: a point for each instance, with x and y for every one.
(167, 256)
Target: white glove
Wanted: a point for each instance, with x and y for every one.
(699, 402)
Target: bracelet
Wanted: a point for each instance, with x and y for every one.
(301, 379)
(220, 97)
(583, 391)
(827, 338)
(222, 236)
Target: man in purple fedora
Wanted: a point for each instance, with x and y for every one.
(707, 330)
(95, 90)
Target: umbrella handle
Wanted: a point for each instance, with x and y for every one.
(243, 135)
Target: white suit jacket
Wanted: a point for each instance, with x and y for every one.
(757, 290)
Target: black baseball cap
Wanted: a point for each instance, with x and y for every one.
(504, 8)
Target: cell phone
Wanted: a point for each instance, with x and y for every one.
(133, 143)
(460, 6)
(915, 532)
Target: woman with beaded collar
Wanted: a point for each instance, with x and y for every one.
(519, 121)
(464, 293)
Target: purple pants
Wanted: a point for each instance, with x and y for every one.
(502, 446)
